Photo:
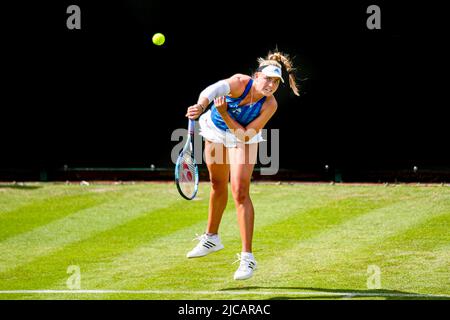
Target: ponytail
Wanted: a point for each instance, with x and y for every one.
(282, 59)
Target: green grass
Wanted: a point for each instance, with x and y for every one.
(311, 242)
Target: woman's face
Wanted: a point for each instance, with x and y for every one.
(266, 85)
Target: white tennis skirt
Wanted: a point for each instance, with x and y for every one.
(210, 132)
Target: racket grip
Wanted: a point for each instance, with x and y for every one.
(191, 127)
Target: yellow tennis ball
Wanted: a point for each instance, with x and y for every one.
(158, 39)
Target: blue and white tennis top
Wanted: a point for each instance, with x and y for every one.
(242, 114)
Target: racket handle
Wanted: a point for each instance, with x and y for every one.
(191, 127)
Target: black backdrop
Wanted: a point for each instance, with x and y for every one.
(106, 96)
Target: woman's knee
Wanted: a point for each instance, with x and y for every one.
(219, 184)
(240, 191)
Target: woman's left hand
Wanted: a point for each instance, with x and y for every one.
(221, 104)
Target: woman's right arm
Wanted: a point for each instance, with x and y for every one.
(233, 86)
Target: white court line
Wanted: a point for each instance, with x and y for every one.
(290, 293)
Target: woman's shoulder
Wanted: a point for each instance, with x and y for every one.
(237, 83)
(240, 76)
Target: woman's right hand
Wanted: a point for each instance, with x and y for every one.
(195, 111)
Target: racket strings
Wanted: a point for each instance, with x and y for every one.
(186, 171)
(187, 174)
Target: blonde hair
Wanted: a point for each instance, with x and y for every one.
(278, 58)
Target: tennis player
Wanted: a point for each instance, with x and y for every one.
(232, 130)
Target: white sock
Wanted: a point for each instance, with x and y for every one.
(212, 235)
(248, 255)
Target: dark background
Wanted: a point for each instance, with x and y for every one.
(106, 96)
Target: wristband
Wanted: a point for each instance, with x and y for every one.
(203, 108)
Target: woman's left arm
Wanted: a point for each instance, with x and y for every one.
(246, 133)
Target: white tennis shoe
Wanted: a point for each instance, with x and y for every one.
(207, 244)
(246, 267)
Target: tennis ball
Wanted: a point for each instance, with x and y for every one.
(158, 39)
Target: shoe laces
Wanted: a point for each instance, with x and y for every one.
(245, 262)
(200, 237)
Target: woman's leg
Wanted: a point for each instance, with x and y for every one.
(219, 172)
(242, 162)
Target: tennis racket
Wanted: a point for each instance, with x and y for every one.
(186, 169)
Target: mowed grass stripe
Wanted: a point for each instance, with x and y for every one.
(13, 197)
(210, 272)
(166, 273)
(287, 232)
(44, 240)
(138, 264)
(176, 266)
(102, 247)
(127, 269)
(99, 261)
(332, 256)
(417, 259)
(299, 270)
(408, 264)
(183, 213)
(44, 211)
(272, 239)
